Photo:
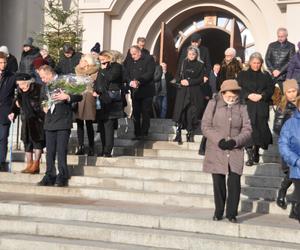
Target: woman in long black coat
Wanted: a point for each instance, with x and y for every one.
(189, 98)
(257, 90)
(29, 102)
(108, 91)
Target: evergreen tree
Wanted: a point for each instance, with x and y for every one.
(61, 26)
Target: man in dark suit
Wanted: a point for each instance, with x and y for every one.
(58, 123)
(139, 73)
(7, 91)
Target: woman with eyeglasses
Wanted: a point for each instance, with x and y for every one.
(109, 104)
(257, 90)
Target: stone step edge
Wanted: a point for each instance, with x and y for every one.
(126, 178)
(26, 240)
(234, 231)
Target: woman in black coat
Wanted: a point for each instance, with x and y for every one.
(257, 90)
(189, 99)
(109, 104)
(29, 101)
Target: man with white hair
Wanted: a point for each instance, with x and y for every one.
(230, 67)
(278, 56)
(12, 63)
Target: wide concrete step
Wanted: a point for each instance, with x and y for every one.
(179, 235)
(27, 241)
(158, 185)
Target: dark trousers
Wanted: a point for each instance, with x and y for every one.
(285, 183)
(234, 191)
(57, 143)
(189, 118)
(4, 133)
(141, 110)
(106, 129)
(297, 197)
(89, 129)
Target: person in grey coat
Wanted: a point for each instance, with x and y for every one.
(227, 126)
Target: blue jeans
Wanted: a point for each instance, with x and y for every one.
(162, 104)
(4, 133)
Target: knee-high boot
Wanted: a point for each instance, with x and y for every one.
(250, 160)
(178, 137)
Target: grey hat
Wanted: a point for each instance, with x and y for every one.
(28, 42)
(230, 85)
(196, 37)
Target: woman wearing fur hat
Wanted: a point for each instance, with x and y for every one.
(86, 111)
(294, 66)
(29, 100)
(227, 127)
(257, 90)
(283, 112)
(28, 55)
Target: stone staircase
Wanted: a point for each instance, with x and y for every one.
(151, 195)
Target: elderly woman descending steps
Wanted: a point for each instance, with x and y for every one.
(227, 127)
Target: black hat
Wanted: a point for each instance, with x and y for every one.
(96, 48)
(67, 48)
(196, 37)
(22, 77)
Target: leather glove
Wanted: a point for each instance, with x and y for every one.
(222, 144)
(231, 144)
(227, 145)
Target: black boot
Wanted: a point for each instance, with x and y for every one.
(281, 201)
(250, 161)
(91, 151)
(80, 150)
(202, 146)
(256, 154)
(292, 214)
(178, 137)
(190, 136)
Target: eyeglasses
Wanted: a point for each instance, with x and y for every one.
(103, 63)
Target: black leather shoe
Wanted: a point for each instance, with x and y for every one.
(80, 150)
(107, 155)
(232, 219)
(61, 183)
(281, 202)
(46, 181)
(216, 218)
(190, 137)
(91, 151)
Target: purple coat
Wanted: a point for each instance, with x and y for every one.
(294, 68)
(226, 122)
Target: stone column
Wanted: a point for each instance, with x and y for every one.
(292, 21)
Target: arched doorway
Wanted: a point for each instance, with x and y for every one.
(219, 30)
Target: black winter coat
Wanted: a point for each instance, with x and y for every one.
(32, 113)
(204, 56)
(12, 64)
(26, 62)
(110, 79)
(143, 71)
(191, 95)
(278, 56)
(259, 83)
(62, 116)
(67, 65)
(281, 116)
(7, 92)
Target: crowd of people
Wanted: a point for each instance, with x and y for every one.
(230, 100)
